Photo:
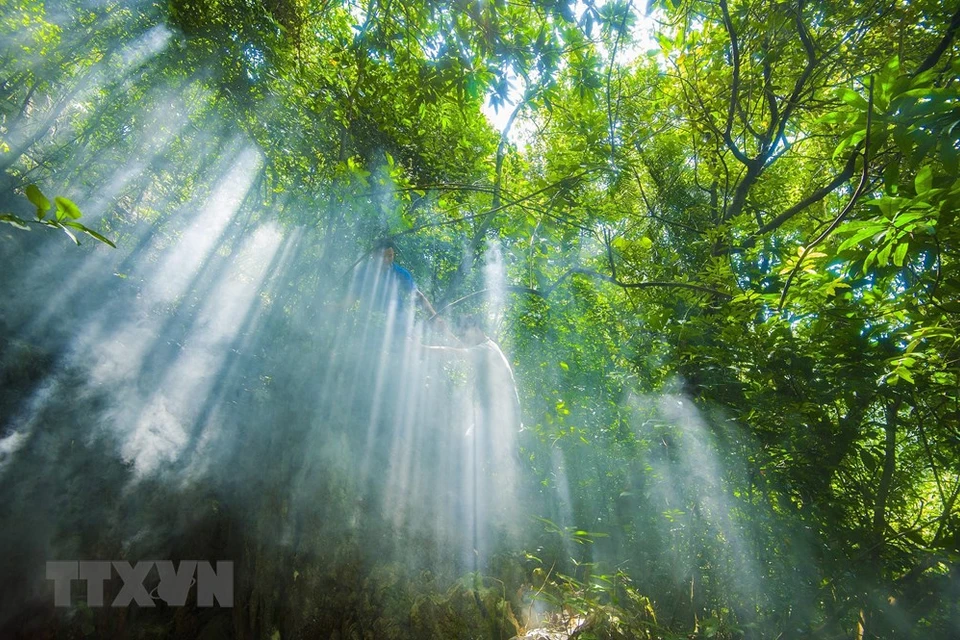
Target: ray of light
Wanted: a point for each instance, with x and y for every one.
(161, 431)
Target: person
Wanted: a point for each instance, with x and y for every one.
(401, 278)
(406, 286)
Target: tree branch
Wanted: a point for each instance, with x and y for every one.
(613, 57)
(942, 46)
(559, 183)
(801, 82)
(650, 284)
(643, 195)
(734, 86)
(513, 288)
(813, 198)
(846, 210)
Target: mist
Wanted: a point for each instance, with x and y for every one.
(246, 377)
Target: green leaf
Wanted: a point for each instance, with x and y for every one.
(904, 374)
(901, 136)
(883, 256)
(90, 232)
(891, 178)
(900, 253)
(853, 99)
(949, 156)
(19, 223)
(68, 207)
(35, 196)
(840, 147)
(924, 180)
(834, 117)
(859, 237)
(838, 283)
(69, 233)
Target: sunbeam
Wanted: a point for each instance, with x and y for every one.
(301, 337)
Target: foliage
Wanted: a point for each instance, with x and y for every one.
(747, 204)
(65, 218)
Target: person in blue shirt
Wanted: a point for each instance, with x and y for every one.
(401, 278)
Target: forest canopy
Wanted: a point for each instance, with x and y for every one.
(715, 240)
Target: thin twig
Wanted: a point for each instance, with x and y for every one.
(512, 288)
(650, 284)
